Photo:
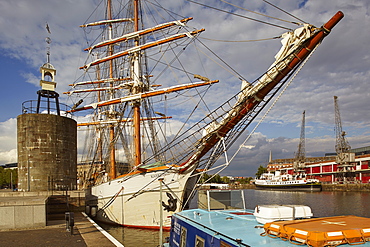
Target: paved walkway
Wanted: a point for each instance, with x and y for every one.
(84, 234)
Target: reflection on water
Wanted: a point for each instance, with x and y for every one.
(325, 203)
(132, 237)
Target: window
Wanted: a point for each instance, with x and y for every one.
(183, 237)
(224, 244)
(199, 242)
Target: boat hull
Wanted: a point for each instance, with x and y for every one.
(235, 228)
(136, 201)
(293, 187)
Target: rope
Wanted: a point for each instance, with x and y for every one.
(273, 104)
(237, 41)
(110, 201)
(257, 13)
(284, 11)
(242, 16)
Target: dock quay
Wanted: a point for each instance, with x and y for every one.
(39, 219)
(84, 233)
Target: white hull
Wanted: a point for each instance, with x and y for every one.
(138, 202)
(289, 185)
(286, 182)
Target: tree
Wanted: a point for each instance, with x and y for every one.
(261, 170)
(244, 180)
(1, 177)
(225, 180)
(217, 179)
(6, 175)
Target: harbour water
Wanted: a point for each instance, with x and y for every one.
(325, 203)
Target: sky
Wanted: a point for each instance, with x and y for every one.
(340, 67)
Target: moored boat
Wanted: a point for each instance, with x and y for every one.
(280, 181)
(234, 227)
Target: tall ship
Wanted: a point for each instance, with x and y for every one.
(144, 66)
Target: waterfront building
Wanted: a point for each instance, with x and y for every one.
(326, 169)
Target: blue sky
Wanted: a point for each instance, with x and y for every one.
(339, 67)
(14, 89)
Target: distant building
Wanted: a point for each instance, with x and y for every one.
(10, 165)
(326, 169)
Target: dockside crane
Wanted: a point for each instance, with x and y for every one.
(344, 157)
(300, 157)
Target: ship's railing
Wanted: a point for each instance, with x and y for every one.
(221, 199)
(45, 107)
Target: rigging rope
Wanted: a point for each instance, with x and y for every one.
(233, 70)
(242, 16)
(285, 11)
(272, 105)
(237, 41)
(228, 162)
(257, 13)
(224, 166)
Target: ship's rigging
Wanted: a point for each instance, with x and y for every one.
(122, 86)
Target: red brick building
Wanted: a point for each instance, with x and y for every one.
(326, 169)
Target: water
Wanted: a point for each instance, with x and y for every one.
(323, 204)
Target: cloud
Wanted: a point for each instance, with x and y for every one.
(8, 141)
(340, 66)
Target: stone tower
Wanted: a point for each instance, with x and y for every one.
(47, 141)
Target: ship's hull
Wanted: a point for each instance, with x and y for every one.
(305, 186)
(135, 201)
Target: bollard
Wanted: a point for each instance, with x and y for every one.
(70, 221)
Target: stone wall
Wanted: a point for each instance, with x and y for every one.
(47, 152)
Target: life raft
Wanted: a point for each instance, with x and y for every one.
(327, 231)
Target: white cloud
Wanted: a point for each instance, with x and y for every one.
(8, 141)
(339, 67)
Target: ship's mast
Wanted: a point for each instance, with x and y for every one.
(136, 89)
(112, 147)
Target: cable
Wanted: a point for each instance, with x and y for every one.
(237, 41)
(257, 13)
(242, 16)
(285, 11)
(273, 104)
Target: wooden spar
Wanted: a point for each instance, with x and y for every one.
(142, 47)
(99, 81)
(252, 102)
(144, 95)
(138, 33)
(99, 89)
(119, 121)
(104, 22)
(112, 146)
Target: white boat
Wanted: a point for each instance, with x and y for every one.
(279, 181)
(139, 173)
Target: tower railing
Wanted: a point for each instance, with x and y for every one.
(33, 107)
